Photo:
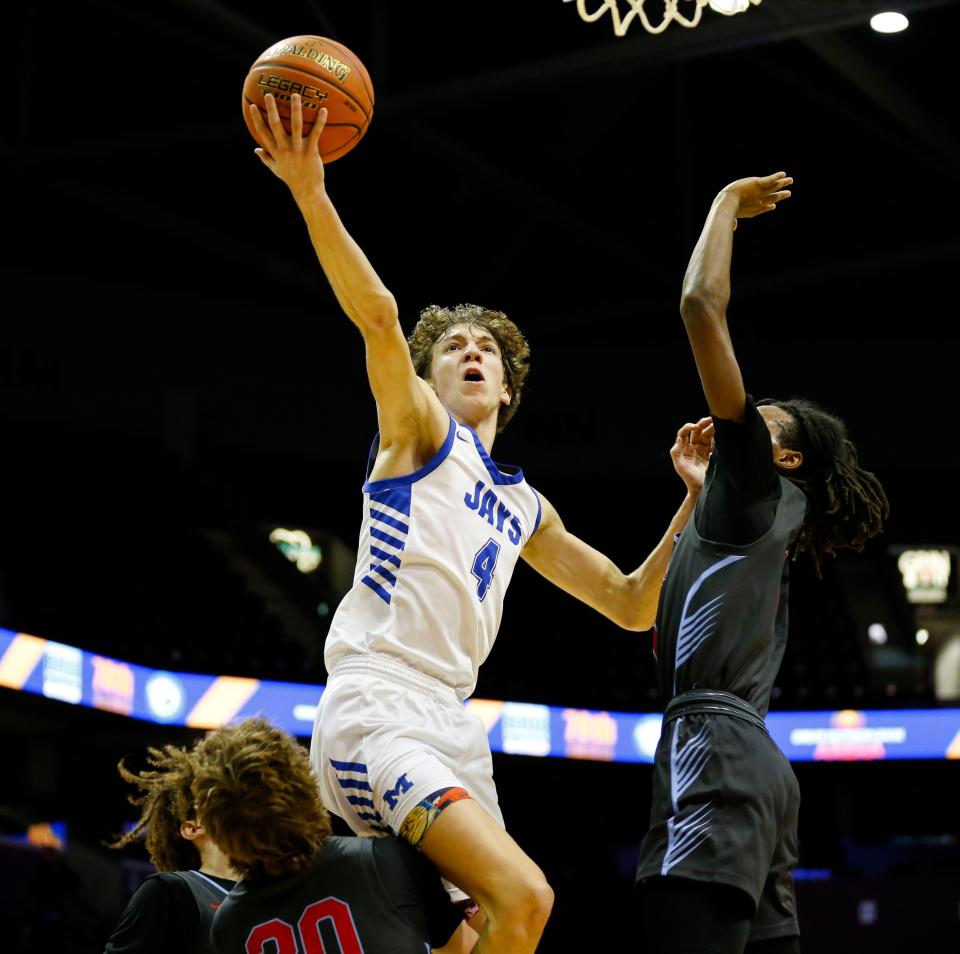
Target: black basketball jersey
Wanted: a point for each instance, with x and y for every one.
(722, 619)
(169, 911)
(370, 895)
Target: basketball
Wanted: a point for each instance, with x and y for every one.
(325, 74)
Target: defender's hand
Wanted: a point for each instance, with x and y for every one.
(758, 195)
(691, 453)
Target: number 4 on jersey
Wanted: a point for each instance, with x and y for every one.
(483, 566)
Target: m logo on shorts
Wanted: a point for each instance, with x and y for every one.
(394, 794)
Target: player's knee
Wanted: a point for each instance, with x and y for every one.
(542, 898)
(529, 902)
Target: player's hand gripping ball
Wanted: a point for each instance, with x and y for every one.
(325, 74)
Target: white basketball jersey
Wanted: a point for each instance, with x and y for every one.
(437, 551)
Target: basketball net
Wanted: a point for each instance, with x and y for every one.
(671, 12)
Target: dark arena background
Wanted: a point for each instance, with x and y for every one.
(177, 383)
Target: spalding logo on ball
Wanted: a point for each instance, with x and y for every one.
(324, 73)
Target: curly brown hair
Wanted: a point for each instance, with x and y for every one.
(166, 803)
(514, 349)
(257, 797)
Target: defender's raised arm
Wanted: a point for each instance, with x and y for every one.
(706, 289)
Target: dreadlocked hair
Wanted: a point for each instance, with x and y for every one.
(257, 797)
(514, 350)
(165, 802)
(846, 505)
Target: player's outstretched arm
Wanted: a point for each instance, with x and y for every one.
(629, 600)
(706, 289)
(295, 159)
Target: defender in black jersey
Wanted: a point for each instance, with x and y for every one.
(170, 911)
(173, 909)
(303, 889)
(783, 478)
(360, 894)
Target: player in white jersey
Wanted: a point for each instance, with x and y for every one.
(443, 526)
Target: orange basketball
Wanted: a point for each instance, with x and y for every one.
(324, 73)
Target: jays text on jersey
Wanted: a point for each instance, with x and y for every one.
(437, 550)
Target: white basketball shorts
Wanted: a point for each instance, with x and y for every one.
(387, 737)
